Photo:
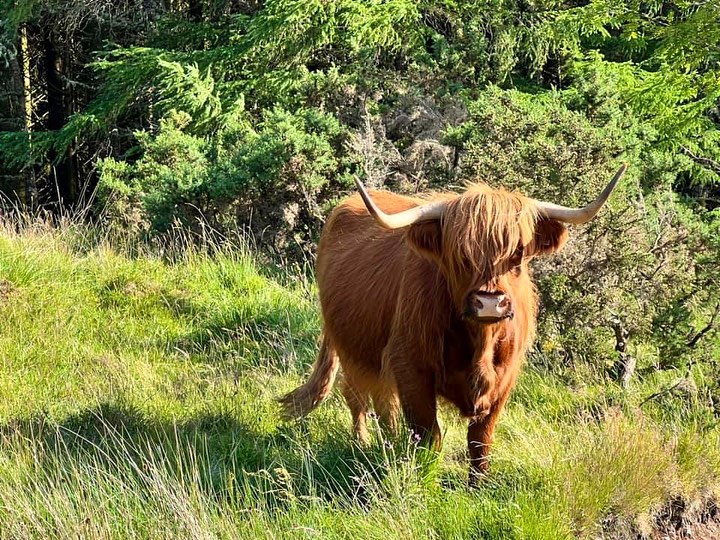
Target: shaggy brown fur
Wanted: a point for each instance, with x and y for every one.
(393, 301)
(318, 386)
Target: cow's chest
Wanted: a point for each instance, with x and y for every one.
(461, 381)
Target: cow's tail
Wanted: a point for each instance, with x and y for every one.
(305, 398)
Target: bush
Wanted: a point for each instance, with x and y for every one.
(274, 176)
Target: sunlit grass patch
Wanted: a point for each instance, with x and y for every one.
(619, 467)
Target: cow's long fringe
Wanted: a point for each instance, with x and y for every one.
(305, 398)
(483, 227)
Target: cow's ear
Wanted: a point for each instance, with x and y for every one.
(550, 236)
(425, 238)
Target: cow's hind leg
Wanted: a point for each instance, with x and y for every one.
(358, 400)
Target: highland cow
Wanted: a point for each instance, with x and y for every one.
(428, 298)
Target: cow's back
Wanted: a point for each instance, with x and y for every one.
(359, 272)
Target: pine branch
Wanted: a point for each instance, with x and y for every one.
(694, 341)
(700, 160)
(661, 392)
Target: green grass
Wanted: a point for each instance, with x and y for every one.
(137, 401)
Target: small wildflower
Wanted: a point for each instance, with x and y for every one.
(387, 444)
(372, 415)
(415, 438)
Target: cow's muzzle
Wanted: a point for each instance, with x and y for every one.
(488, 307)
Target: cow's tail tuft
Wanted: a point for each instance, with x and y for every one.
(305, 398)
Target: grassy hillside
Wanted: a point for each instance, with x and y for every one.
(137, 401)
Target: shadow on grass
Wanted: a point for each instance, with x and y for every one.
(267, 335)
(219, 454)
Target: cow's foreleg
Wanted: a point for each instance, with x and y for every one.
(419, 404)
(480, 439)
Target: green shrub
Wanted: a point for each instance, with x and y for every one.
(274, 175)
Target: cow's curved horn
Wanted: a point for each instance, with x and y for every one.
(578, 216)
(425, 212)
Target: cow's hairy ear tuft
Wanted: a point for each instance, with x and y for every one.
(425, 238)
(550, 236)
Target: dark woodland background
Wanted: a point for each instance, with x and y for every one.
(148, 116)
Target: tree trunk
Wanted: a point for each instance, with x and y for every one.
(624, 366)
(27, 111)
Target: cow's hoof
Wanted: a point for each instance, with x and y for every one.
(476, 478)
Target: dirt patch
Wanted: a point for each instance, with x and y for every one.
(680, 520)
(6, 289)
